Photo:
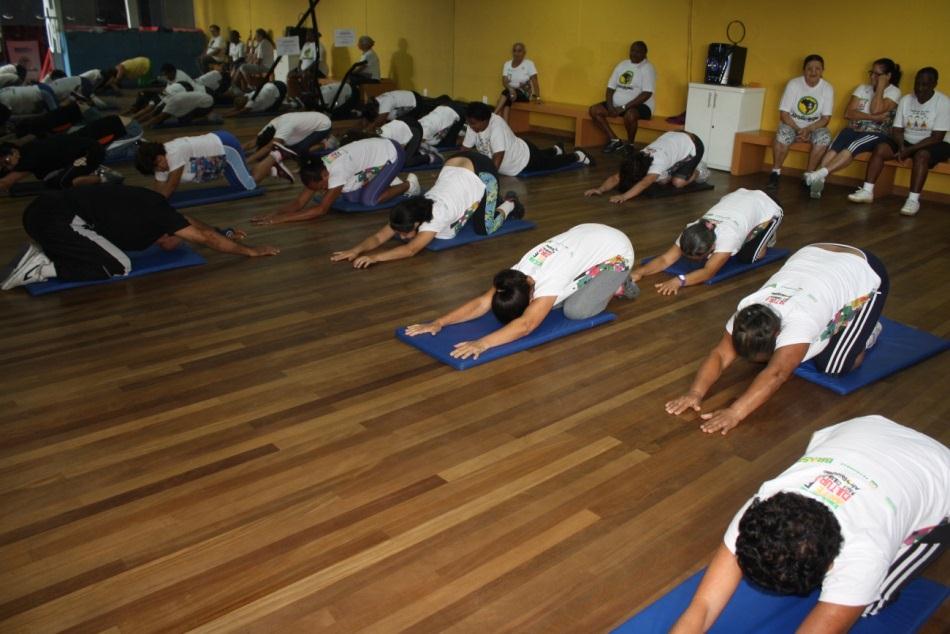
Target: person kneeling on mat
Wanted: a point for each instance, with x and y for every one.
(391, 105)
(84, 233)
(861, 514)
(420, 137)
(742, 225)
(674, 158)
(61, 161)
(823, 304)
(579, 270)
(362, 172)
(269, 99)
(294, 133)
(490, 135)
(200, 159)
(465, 191)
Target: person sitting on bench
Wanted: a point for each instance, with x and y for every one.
(260, 58)
(630, 94)
(368, 72)
(859, 516)
(84, 233)
(294, 132)
(217, 51)
(742, 225)
(674, 158)
(579, 270)
(268, 99)
(61, 161)
(391, 105)
(465, 191)
(519, 76)
(362, 171)
(204, 158)
(823, 304)
(920, 133)
(490, 135)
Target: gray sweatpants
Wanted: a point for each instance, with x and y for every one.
(592, 298)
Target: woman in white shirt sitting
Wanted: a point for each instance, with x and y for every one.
(520, 79)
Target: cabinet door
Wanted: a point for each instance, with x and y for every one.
(699, 112)
(725, 123)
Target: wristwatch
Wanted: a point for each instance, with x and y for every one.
(682, 279)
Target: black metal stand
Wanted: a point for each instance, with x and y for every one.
(312, 14)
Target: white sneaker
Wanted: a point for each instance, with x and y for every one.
(878, 327)
(816, 186)
(702, 172)
(414, 187)
(910, 208)
(28, 269)
(861, 196)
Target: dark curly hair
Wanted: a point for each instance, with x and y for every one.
(754, 331)
(633, 168)
(512, 295)
(787, 543)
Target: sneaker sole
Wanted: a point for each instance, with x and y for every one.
(15, 271)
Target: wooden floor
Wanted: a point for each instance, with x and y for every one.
(246, 446)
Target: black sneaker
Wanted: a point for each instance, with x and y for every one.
(518, 211)
(109, 176)
(773, 180)
(285, 152)
(584, 158)
(280, 171)
(613, 145)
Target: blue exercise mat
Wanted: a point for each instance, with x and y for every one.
(439, 346)
(567, 168)
(209, 195)
(211, 119)
(897, 347)
(731, 268)
(664, 191)
(345, 206)
(467, 235)
(752, 611)
(151, 260)
(424, 167)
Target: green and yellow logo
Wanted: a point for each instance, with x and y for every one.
(626, 78)
(807, 105)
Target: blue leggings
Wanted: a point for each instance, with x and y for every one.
(236, 170)
(370, 192)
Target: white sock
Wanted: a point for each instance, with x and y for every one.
(506, 207)
(777, 171)
(868, 187)
(821, 172)
(913, 197)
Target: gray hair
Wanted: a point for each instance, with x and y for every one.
(367, 40)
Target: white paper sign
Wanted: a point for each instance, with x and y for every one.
(344, 37)
(288, 45)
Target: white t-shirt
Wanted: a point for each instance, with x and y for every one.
(628, 80)
(236, 51)
(864, 94)
(919, 120)
(498, 137)
(94, 75)
(357, 163)
(265, 53)
(22, 99)
(455, 197)
(396, 103)
(190, 152)
(294, 127)
(519, 75)
(397, 131)
(669, 149)
(736, 215)
(8, 79)
(210, 80)
(882, 481)
(8, 68)
(437, 123)
(182, 103)
(217, 42)
(65, 86)
(807, 104)
(371, 69)
(266, 98)
(329, 91)
(816, 294)
(566, 262)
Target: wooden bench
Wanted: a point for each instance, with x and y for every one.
(368, 91)
(748, 157)
(585, 132)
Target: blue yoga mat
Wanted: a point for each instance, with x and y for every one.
(151, 260)
(567, 168)
(897, 347)
(467, 235)
(439, 346)
(731, 268)
(752, 611)
(209, 195)
(211, 119)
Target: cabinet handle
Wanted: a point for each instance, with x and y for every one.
(715, 98)
(708, 97)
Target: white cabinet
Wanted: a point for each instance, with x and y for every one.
(715, 113)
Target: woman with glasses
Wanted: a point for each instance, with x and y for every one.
(520, 79)
(870, 114)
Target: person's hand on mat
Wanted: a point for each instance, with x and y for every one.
(669, 287)
(677, 406)
(430, 328)
(349, 255)
(466, 349)
(267, 219)
(237, 235)
(257, 252)
(593, 192)
(618, 199)
(722, 420)
(364, 262)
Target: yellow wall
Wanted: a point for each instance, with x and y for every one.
(413, 37)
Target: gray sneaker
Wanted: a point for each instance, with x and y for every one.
(28, 269)
(109, 176)
(815, 187)
(630, 289)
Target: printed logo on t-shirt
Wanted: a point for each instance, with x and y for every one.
(207, 168)
(917, 120)
(626, 78)
(807, 105)
(833, 488)
(544, 251)
(844, 317)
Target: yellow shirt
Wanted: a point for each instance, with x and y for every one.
(136, 67)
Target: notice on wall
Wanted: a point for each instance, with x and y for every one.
(344, 37)
(288, 45)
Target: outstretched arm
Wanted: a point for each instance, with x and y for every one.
(472, 309)
(636, 190)
(720, 358)
(533, 315)
(612, 181)
(713, 594)
(407, 250)
(299, 209)
(672, 286)
(657, 264)
(7, 181)
(200, 233)
(830, 618)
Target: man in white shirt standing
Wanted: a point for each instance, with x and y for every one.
(630, 94)
(217, 51)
